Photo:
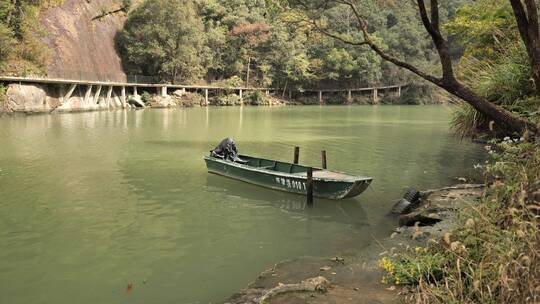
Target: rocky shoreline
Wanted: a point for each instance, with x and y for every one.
(355, 277)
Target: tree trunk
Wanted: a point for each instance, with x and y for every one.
(482, 105)
(247, 72)
(173, 80)
(285, 88)
(527, 21)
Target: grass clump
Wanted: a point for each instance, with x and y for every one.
(411, 268)
(493, 256)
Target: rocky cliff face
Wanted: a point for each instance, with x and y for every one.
(82, 47)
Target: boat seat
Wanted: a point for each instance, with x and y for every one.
(271, 167)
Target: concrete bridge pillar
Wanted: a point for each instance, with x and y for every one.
(87, 95)
(123, 98)
(135, 93)
(399, 91)
(109, 95)
(320, 97)
(206, 96)
(97, 94)
(241, 97)
(163, 91)
(267, 92)
(349, 96)
(375, 96)
(67, 96)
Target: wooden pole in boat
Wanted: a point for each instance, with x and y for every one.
(296, 155)
(323, 158)
(309, 189)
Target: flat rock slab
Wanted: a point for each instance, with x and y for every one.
(352, 281)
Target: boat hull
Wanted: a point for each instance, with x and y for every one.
(292, 183)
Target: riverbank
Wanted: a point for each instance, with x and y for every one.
(355, 276)
(492, 255)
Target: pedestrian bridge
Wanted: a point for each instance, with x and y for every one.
(94, 88)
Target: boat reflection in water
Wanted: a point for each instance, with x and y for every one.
(347, 211)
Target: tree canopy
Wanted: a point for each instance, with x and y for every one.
(262, 42)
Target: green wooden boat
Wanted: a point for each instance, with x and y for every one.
(289, 177)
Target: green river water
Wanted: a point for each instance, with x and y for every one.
(91, 202)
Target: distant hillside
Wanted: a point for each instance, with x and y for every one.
(82, 47)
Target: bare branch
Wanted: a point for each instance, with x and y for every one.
(424, 17)
(340, 38)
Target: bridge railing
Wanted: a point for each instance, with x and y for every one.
(78, 75)
(104, 77)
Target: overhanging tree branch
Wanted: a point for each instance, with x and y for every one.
(448, 81)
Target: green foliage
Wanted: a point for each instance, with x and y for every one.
(228, 100)
(234, 82)
(255, 98)
(146, 97)
(21, 49)
(495, 63)
(506, 78)
(493, 255)
(484, 27)
(190, 99)
(126, 5)
(411, 268)
(262, 43)
(164, 38)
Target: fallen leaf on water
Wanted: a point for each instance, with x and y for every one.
(129, 287)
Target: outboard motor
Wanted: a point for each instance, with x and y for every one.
(227, 150)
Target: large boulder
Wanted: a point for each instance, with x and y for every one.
(29, 98)
(162, 102)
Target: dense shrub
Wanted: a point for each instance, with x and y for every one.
(22, 50)
(192, 99)
(233, 82)
(146, 97)
(228, 100)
